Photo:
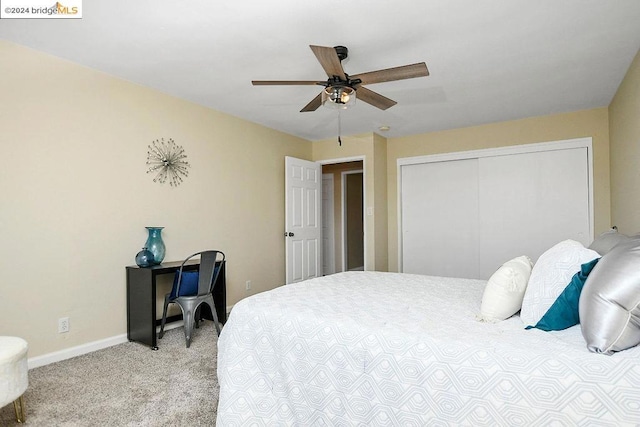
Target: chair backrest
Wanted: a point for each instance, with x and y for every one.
(210, 265)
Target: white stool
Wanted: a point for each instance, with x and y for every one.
(13, 374)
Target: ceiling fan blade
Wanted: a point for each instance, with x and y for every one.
(396, 73)
(374, 98)
(314, 104)
(328, 58)
(285, 82)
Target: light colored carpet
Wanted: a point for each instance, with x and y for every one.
(128, 385)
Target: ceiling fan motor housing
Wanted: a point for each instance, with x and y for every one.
(338, 82)
(342, 52)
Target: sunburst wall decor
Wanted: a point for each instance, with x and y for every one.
(168, 161)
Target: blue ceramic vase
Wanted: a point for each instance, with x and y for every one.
(144, 258)
(155, 245)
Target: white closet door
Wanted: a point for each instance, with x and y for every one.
(439, 213)
(466, 216)
(529, 202)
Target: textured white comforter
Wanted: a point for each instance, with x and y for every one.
(369, 348)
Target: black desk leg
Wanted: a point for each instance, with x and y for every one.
(141, 307)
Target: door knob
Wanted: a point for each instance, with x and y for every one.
(289, 234)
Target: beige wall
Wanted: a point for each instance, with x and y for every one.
(624, 124)
(589, 123)
(76, 197)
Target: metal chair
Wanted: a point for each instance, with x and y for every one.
(189, 293)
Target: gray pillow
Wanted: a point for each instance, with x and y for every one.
(610, 300)
(607, 240)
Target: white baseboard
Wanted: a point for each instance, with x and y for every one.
(68, 353)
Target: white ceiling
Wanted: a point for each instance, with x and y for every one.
(490, 60)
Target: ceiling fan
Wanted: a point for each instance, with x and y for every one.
(340, 88)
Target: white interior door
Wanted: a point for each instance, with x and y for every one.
(303, 223)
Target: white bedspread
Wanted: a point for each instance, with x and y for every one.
(374, 349)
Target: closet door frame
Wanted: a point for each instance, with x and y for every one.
(492, 152)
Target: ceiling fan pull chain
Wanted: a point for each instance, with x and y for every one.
(339, 128)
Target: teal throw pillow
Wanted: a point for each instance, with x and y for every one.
(563, 313)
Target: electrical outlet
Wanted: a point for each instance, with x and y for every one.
(248, 285)
(63, 325)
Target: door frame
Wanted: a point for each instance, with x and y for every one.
(330, 258)
(344, 213)
(364, 195)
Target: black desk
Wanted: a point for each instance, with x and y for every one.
(141, 299)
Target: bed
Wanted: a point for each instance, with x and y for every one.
(373, 348)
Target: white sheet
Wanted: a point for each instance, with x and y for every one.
(367, 348)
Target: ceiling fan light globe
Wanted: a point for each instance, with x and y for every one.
(338, 97)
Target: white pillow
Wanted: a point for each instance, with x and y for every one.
(504, 291)
(550, 276)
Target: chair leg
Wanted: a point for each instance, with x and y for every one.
(164, 316)
(18, 406)
(215, 317)
(188, 325)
